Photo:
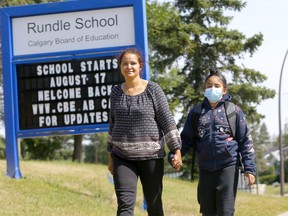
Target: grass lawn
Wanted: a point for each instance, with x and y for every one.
(66, 188)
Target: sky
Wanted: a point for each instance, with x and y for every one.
(271, 19)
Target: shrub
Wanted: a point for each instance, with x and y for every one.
(268, 179)
(2, 148)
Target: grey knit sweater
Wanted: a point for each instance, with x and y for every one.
(141, 124)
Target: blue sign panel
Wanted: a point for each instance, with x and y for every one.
(60, 64)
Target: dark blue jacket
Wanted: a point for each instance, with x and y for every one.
(215, 147)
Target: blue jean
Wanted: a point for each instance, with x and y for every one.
(126, 173)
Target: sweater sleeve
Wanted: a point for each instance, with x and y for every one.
(165, 119)
(111, 119)
(245, 143)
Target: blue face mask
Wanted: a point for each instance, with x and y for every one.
(213, 94)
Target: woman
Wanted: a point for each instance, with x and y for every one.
(217, 150)
(140, 123)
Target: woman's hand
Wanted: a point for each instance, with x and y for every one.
(177, 160)
(249, 178)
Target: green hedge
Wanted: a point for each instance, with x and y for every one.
(2, 148)
(267, 179)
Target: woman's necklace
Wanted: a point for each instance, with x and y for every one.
(135, 90)
(128, 99)
(127, 90)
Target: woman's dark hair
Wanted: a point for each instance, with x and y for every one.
(133, 51)
(215, 72)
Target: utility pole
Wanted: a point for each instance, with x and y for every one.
(282, 178)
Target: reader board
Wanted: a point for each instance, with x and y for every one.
(60, 64)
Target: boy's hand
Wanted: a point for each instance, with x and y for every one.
(249, 178)
(177, 160)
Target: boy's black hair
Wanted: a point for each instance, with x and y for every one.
(215, 72)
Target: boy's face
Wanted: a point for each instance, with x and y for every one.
(215, 82)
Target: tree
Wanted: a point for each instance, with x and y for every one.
(40, 148)
(285, 136)
(261, 140)
(197, 33)
(285, 151)
(2, 148)
(167, 36)
(96, 152)
(188, 38)
(77, 153)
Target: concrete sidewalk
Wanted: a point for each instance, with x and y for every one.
(284, 214)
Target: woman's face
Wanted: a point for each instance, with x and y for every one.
(214, 81)
(130, 66)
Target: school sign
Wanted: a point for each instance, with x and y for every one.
(60, 64)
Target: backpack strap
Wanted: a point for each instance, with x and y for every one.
(230, 109)
(232, 118)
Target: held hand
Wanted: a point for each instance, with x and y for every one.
(177, 160)
(249, 178)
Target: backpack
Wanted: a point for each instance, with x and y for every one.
(231, 117)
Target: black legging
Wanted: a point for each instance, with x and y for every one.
(217, 191)
(125, 174)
